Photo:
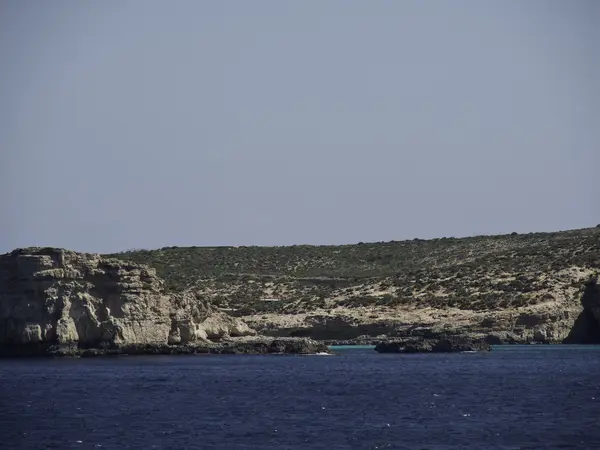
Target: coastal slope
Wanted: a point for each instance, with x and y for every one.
(517, 287)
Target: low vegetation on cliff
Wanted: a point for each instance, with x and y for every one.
(471, 273)
(484, 282)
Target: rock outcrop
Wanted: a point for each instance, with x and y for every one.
(254, 346)
(193, 319)
(54, 298)
(273, 346)
(448, 344)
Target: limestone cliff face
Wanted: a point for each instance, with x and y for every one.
(193, 319)
(56, 296)
(570, 322)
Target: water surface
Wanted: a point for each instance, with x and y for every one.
(510, 398)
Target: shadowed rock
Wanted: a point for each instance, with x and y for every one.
(448, 344)
(586, 329)
(255, 346)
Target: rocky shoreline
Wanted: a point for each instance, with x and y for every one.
(252, 347)
(491, 339)
(450, 344)
(497, 338)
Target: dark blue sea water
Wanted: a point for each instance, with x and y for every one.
(512, 398)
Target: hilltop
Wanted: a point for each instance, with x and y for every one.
(527, 285)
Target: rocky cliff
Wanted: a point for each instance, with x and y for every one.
(54, 297)
(506, 289)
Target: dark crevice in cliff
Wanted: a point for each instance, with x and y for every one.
(586, 329)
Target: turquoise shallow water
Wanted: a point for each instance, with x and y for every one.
(516, 397)
(351, 347)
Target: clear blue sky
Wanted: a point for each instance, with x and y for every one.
(149, 123)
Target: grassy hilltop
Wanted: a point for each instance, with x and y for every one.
(434, 281)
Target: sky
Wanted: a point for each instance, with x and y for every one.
(148, 123)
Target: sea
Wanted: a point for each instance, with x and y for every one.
(514, 397)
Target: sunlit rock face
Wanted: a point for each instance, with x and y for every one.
(54, 296)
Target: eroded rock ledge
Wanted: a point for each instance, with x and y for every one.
(59, 302)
